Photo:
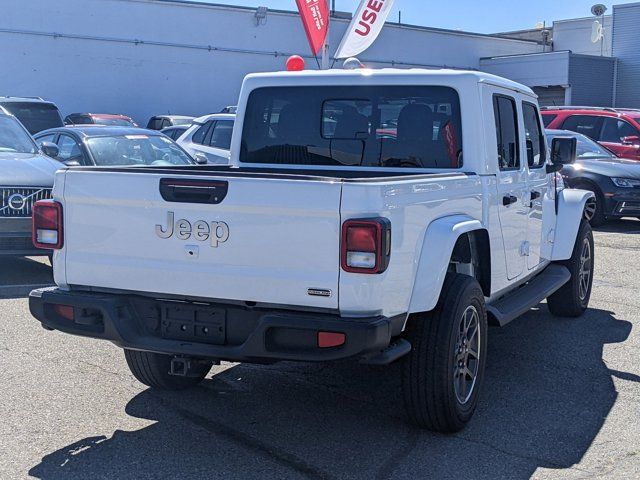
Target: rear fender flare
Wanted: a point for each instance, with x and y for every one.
(439, 241)
(571, 204)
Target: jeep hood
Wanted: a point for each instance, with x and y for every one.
(27, 170)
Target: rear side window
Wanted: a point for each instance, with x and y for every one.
(221, 136)
(200, 133)
(536, 151)
(35, 116)
(589, 125)
(369, 126)
(547, 119)
(506, 118)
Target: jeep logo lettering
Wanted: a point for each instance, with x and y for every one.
(216, 232)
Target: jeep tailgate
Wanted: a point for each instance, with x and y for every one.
(270, 239)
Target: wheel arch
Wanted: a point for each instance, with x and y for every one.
(449, 240)
(571, 203)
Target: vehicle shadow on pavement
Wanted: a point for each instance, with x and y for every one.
(19, 275)
(620, 226)
(547, 393)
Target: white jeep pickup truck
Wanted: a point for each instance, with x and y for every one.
(381, 215)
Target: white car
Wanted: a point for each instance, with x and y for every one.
(210, 137)
(381, 215)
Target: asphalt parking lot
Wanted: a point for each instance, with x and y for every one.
(561, 400)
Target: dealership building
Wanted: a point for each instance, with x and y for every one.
(149, 57)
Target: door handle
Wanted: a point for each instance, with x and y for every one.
(534, 196)
(509, 200)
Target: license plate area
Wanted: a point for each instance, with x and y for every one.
(193, 323)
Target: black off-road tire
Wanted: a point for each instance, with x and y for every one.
(152, 369)
(573, 299)
(430, 397)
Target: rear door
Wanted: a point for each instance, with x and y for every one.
(537, 180)
(249, 238)
(217, 142)
(513, 196)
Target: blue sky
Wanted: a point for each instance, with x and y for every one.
(484, 16)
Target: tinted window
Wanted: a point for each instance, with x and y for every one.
(589, 125)
(414, 127)
(69, 149)
(137, 150)
(81, 119)
(116, 121)
(13, 138)
(200, 134)
(181, 121)
(547, 119)
(588, 149)
(35, 116)
(615, 130)
(46, 138)
(506, 119)
(221, 136)
(536, 150)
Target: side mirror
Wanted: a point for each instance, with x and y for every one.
(50, 149)
(631, 140)
(201, 158)
(563, 152)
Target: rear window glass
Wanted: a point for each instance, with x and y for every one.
(35, 116)
(547, 119)
(370, 126)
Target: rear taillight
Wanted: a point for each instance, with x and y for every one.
(47, 225)
(366, 245)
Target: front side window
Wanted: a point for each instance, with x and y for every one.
(68, 149)
(615, 130)
(46, 138)
(123, 150)
(589, 125)
(368, 126)
(13, 138)
(536, 150)
(506, 119)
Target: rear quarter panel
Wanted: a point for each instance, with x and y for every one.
(411, 205)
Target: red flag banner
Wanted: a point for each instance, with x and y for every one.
(315, 18)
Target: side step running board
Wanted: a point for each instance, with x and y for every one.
(520, 301)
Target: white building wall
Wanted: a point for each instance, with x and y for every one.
(575, 35)
(147, 57)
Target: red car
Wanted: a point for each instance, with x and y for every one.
(99, 119)
(617, 129)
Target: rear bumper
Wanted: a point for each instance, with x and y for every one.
(212, 331)
(15, 237)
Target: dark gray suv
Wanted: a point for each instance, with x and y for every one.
(26, 176)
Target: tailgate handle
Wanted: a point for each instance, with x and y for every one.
(193, 191)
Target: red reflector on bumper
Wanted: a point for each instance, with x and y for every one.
(331, 339)
(65, 311)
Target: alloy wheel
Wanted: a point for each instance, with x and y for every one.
(584, 275)
(466, 361)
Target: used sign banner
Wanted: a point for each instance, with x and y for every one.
(315, 18)
(365, 27)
